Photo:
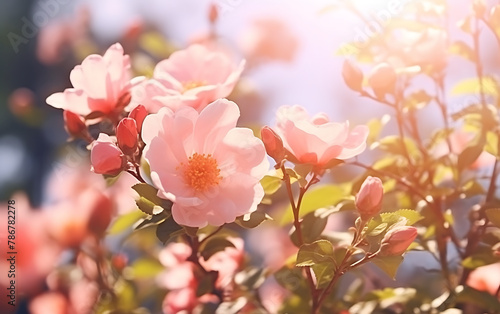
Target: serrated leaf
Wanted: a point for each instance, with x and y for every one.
(125, 222)
(412, 216)
(389, 264)
(493, 215)
(378, 230)
(252, 219)
(320, 251)
(214, 245)
(168, 229)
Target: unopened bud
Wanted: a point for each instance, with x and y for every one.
(127, 136)
(382, 79)
(74, 125)
(397, 240)
(213, 13)
(101, 214)
(139, 113)
(369, 199)
(353, 76)
(273, 144)
(106, 157)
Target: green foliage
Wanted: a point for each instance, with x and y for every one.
(214, 245)
(389, 264)
(168, 230)
(319, 255)
(148, 201)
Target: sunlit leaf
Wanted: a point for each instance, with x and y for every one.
(271, 184)
(463, 50)
(252, 219)
(473, 86)
(125, 222)
(389, 264)
(146, 268)
(312, 226)
(493, 215)
(148, 200)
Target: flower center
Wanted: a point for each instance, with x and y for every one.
(192, 84)
(201, 172)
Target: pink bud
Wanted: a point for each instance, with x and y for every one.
(106, 157)
(101, 214)
(126, 134)
(139, 113)
(74, 125)
(273, 144)
(369, 199)
(382, 79)
(352, 75)
(213, 13)
(397, 240)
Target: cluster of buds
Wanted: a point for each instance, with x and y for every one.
(111, 155)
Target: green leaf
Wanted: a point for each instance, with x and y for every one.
(125, 222)
(375, 126)
(492, 143)
(493, 215)
(320, 256)
(319, 197)
(472, 188)
(417, 100)
(377, 230)
(148, 201)
(152, 220)
(312, 226)
(252, 219)
(168, 230)
(214, 245)
(317, 252)
(411, 215)
(463, 50)
(469, 155)
(146, 268)
(207, 283)
(482, 299)
(389, 264)
(393, 144)
(291, 279)
(250, 278)
(480, 259)
(472, 86)
(271, 184)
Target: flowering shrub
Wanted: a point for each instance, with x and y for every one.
(308, 215)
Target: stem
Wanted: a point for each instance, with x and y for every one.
(298, 228)
(211, 234)
(441, 102)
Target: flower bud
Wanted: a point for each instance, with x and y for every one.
(213, 13)
(397, 240)
(353, 76)
(74, 125)
(126, 134)
(273, 144)
(106, 157)
(382, 79)
(101, 214)
(369, 199)
(139, 113)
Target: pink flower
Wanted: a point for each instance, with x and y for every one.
(369, 198)
(100, 84)
(180, 300)
(316, 140)
(226, 262)
(269, 39)
(106, 157)
(195, 77)
(485, 278)
(50, 303)
(204, 164)
(397, 240)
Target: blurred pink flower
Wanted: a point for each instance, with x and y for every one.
(485, 278)
(101, 84)
(316, 140)
(193, 77)
(204, 164)
(269, 39)
(225, 262)
(180, 300)
(50, 303)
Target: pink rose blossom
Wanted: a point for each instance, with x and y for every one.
(204, 164)
(100, 84)
(316, 140)
(195, 77)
